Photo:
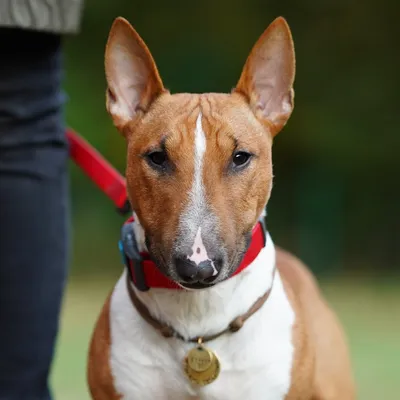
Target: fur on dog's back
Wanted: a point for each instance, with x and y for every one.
(99, 376)
(331, 364)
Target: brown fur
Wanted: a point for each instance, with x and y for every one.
(272, 55)
(327, 369)
(248, 119)
(99, 375)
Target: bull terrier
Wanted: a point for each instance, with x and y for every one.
(208, 307)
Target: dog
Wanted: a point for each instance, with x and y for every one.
(210, 308)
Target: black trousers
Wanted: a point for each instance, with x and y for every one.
(33, 210)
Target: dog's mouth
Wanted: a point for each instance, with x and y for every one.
(196, 285)
(164, 267)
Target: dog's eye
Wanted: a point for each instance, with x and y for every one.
(240, 159)
(157, 158)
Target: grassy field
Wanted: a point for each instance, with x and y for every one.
(370, 314)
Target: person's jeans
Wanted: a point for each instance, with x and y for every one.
(33, 210)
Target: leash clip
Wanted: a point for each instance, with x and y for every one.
(131, 257)
(125, 208)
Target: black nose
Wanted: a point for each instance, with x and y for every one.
(190, 272)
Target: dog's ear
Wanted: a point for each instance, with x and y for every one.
(132, 76)
(268, 75)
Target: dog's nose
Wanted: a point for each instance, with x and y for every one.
(191, 272)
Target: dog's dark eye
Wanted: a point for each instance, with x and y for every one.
(240, 159)
(158, 158)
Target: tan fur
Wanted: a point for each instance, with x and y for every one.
(99, 375)
(248, 119)
(145, 83)
(268, 75)
(331, 376)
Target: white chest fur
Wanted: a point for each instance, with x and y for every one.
(255, 361)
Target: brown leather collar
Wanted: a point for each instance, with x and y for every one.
(167, 331)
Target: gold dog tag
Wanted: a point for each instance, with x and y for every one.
(201, 365)
(199, 359)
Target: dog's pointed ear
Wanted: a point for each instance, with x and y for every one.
(268, 75)
(132, 76)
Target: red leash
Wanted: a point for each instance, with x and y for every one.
(99, 170)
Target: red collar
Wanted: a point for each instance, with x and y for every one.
(143, 271)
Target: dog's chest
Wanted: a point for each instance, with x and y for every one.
(255, 362)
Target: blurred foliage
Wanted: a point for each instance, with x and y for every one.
(336, 197)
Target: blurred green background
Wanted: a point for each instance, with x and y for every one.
(336, 195)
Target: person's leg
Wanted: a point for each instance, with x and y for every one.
(33, 210)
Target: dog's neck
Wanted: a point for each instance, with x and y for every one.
(205, 312)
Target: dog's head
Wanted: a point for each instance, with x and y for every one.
(199, 169)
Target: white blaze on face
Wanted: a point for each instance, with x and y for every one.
(200, 252)
(197, 202)
(200, 148)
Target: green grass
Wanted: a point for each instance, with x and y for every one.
(369, 313)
